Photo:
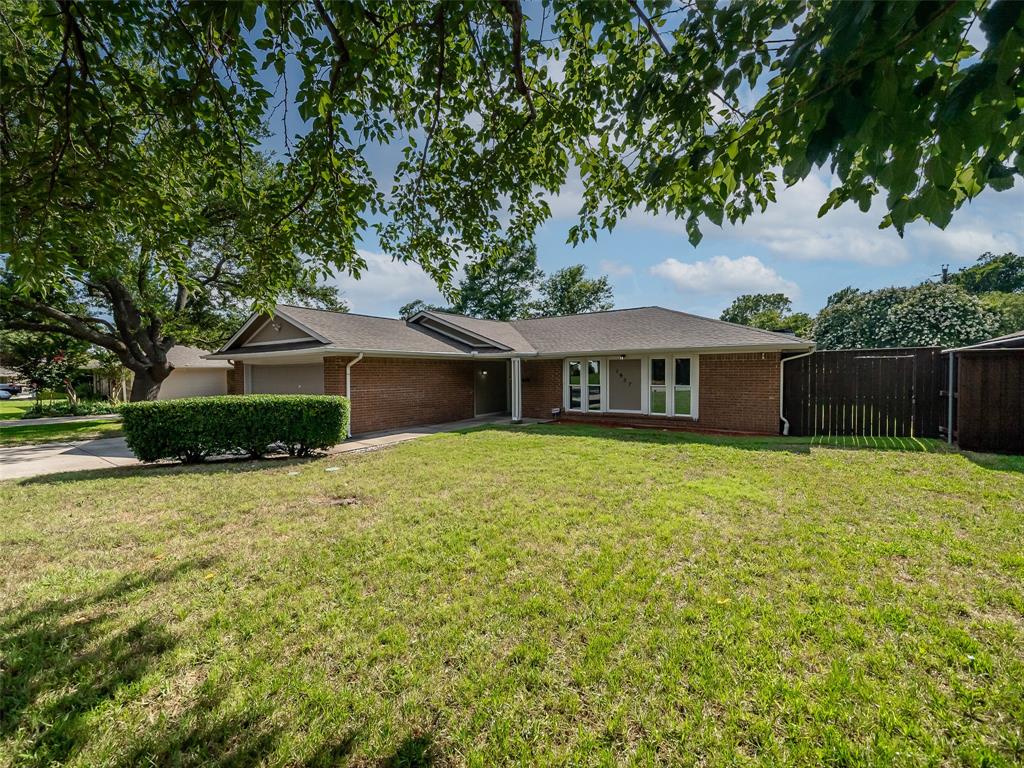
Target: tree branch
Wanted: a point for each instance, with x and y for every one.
(515, 10)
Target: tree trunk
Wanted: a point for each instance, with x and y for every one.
(145, 386)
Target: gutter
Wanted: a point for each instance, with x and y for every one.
(782, 387)
(348, 388)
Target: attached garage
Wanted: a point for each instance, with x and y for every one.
(194, 376)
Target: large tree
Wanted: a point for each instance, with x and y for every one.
(136, 288)
(770, 311)
(687, 108)
(569, 291)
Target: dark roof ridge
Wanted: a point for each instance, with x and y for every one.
(581, 314)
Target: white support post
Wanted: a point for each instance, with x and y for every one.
(517, 390)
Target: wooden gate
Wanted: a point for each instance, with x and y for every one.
(866, 392)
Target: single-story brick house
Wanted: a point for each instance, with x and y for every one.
(648, 366)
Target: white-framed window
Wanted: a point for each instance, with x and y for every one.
(659, 384)
(575, 379)
(658, 403)
(682, 387)
(594, 400)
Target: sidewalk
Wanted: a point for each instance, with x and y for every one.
(58, 420)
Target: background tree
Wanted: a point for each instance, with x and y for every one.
(770, 311)
(500, 289)
(50, 363)
(569, 291)
(1008, 307)
(418, 305)
(998, 280)
(1002, 274)
(924, 315)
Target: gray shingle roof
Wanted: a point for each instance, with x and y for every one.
(505, 334)
(181, 356)
(621, 330)
(368, 333)
(643, 328)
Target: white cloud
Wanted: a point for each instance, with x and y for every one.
(615, 268)
(386, 284)
(791, 228)
(721, 274)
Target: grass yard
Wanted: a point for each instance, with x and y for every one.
(15, 409)
(549, 595)
(49, 433)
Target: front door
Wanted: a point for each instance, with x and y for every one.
(490, 387)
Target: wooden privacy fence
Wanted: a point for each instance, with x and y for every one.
(898, 392)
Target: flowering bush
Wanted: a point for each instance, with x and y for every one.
(930, 314)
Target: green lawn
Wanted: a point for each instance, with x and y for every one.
(549, 595)
(15, 409)
(49, 433)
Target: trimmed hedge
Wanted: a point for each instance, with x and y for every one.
(193, 428)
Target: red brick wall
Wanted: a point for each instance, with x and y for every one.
(542, 388)
(388, 392)
(740, 392)
(236, 379)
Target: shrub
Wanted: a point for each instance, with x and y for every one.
(64, 408)
(193, 428)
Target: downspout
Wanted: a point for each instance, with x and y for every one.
(949, 407)
(782, 387)
(348, 388)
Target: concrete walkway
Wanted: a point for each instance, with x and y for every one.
(48, 458)
(58, 420)
(104, 453)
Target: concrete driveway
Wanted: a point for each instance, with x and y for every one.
(47, 458)
(107, 452)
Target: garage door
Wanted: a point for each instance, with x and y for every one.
(287, 379)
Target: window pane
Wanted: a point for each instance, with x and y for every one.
(682, 372)
(574, 371)
(682, 402)
(657, 372)
(658, 399)
(575, 397)
(593, 371)
(594, 399)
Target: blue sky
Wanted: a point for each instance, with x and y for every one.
(787, 249)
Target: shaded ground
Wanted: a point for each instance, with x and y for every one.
(543, 595)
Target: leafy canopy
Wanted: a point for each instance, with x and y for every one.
(1003, 273)
(770, 311)
(689, 109)
(569, 291)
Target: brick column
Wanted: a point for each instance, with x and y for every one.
(236, 379)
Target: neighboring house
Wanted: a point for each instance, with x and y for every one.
(193, 376)
(646, 366)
